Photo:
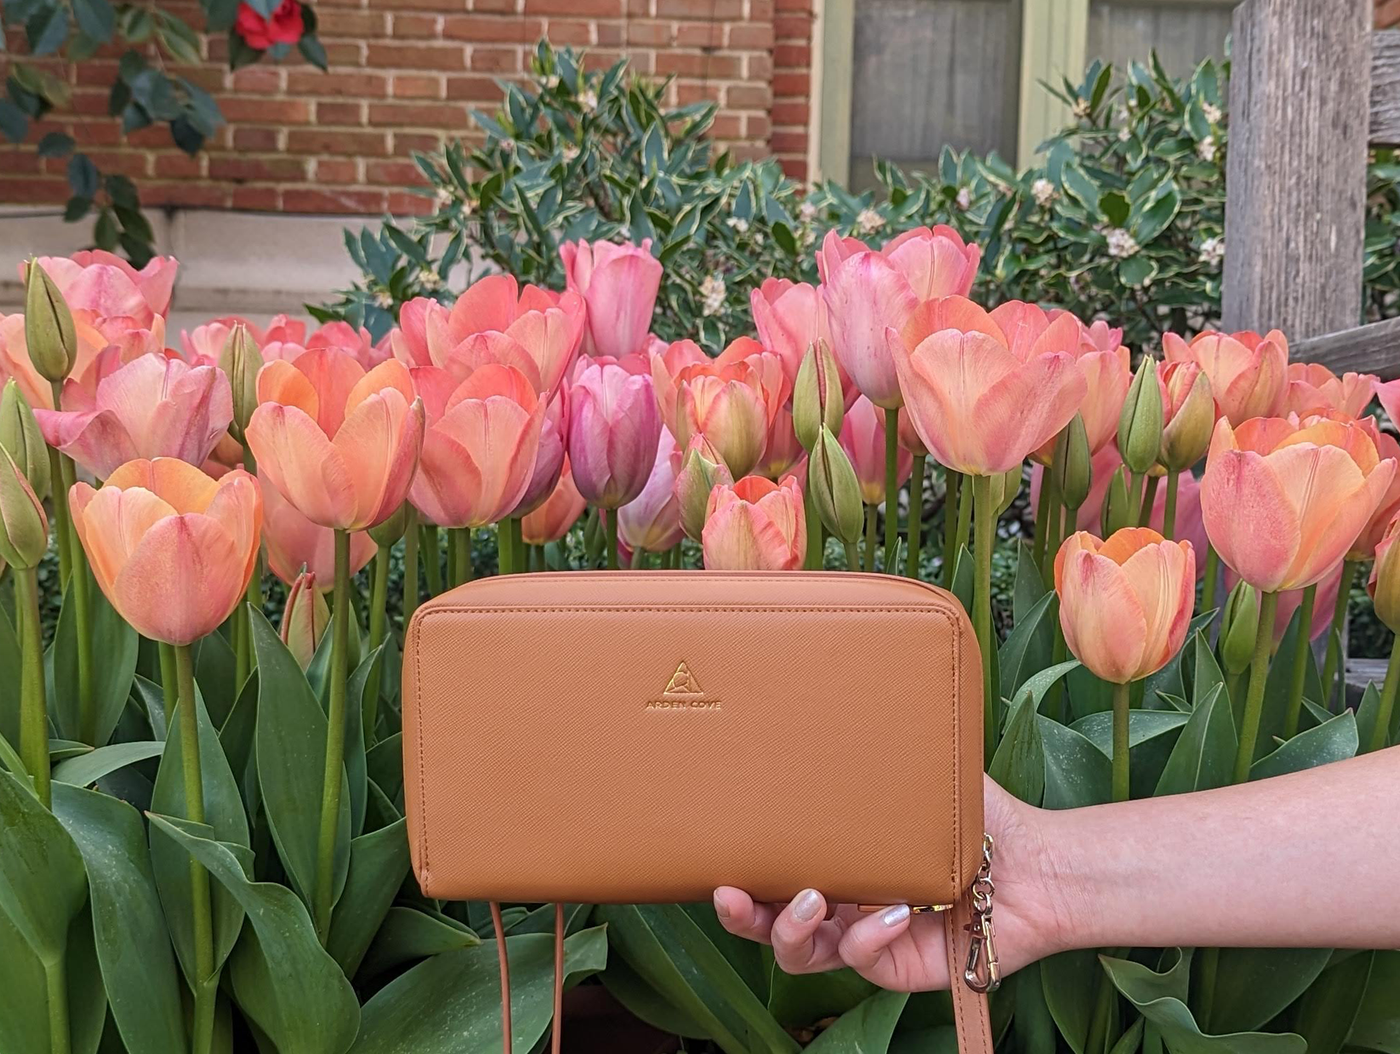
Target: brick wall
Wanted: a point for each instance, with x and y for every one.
(1387, 14)
(404, 74)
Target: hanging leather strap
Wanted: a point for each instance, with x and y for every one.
(557, 1028)
(970, 1012)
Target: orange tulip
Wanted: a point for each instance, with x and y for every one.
(560, 511)
(172, 549)
(1313, 388)
(1125, 603)
(1248, 373)
(1283, 502)
(339, 443)
(295, 543)
(982, 402)
(755, 525)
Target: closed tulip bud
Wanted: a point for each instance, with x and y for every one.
(1073, 464)
(1238, 628)
(22, 440)
(817, 399)
(1140, 423)
(1116, 513)
(24, 530)
(1384, 584)
(1005, 486)
(304, 619)
(391, 530)
(832, 486)
(48, 326)
(1188, 413)
(241, 360)
(702, 469)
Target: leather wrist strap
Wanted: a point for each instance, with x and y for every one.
(970, 1012)
(557, 1026)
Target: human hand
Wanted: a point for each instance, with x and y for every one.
(905, 952)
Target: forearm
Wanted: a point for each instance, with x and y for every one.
(1311, 859)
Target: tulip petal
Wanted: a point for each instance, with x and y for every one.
(369, 444)
(1163, 578)
(1101, 616)
(111, 523)
(487, 304)
(1248, 516)
(96, 440)
(153, 590)
(300, 461)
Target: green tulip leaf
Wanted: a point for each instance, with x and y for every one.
(1377, 1025)
(1070, 981)
(215, 670)
(291, 752)
(1366, 714)
(1329, 1008)
(384, 764)
(1255, 985)
(225, 819)
(132, 945)
(378, 865)
(87, 769)
(1034, 1024)
(1027, 648)
(1143, 725)
(1206, 670)
(1076, 772)
(408, 933)
(1029, 586)
(746, 956)
(662, 943)
(797, 1000)
(1087, 693)
(114, 648)
(1335, 740)
(9, 757)
(10, 678)
(541, 919)
(150, 698)
(24, 1010)
(42, 881)
(643, 1001)
(1170, 679)
(63, 749)
(379, 810)
(237, 735)
(866, 1029)
(1204, 754)
(963, 573)
(450, 1004)
(283, 980)
(1019, 762)
(363, 682)
(1276, 688)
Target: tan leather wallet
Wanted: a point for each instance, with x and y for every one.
(633, 737)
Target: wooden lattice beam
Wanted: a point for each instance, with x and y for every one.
(1364, 349)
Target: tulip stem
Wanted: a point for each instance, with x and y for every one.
(952, 522)
(379, 598)
(1380, 733)
(1258, 678)
(982, 602)
(432, 557)
(1333, 665)
(82, 608)
(812, 561)
(335, 742)
(891, 488)
(1120, 741)
(505, 556)
(518, 546)
(870, 517)
(1212, 574)
(610, 523)
(1169, 511)
(1149, 499)
(1042, 519)
(410, 567)
(852, 555)
(56, 985)
(63, 531)
(1300, 663)
(916, 515)
(169, 680)
(964, 521)
(1050, 527)
(206, 980)
(459, 544)
(34, 721)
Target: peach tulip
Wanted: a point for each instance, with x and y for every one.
(789, 317)
(652, 520)
(982, 402)
(666, 364)
(1384, 582)
(1364, 548)
(494, 321)
(342, 335)
(1313, 388)
(1125, 603)
(863, 439)
(619, 284)
(1389, 396)
(205, 343)
(15, 361)
(340, 443)
(755, 525)
(304, 619)
(104, 284)
(614, 428)
(1188, 414)
(1283, 502)
(479, 453)
(560, 511)
(781, 450)
(150, 407)
(171, 549)
(294, 543)
(1248, 373)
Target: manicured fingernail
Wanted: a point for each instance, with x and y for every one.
(721, 908)
(805, 907)
(895, 915)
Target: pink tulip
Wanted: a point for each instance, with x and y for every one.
(347, 338)
(1248, 373)
(340, 443)
(1388, 394)
(293, 542)
(1125, 603)
(549, 458)
(755, 525)
(1284, 502)
(110, 288)
(479, 454)
(781, 451)
(1313, 388)
(981, 402)
(789, 317)
(863, 440)
(204, 344)
(614, 428)
(151, 407)
(560, 511)
(619, 283)
(652, 520)
(666, 364)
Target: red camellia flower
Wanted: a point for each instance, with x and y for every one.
(284, 27)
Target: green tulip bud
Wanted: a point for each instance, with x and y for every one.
(22, 440)
(391, 530)
(1117, 513)
(24, 530)
(832, 486)
(817, 399)
(48, 326)
(1186, 437)
(1072, 468)
(241, 360)
(1005, 486)
(1239, 628)
(1140, 423)
(702, 469)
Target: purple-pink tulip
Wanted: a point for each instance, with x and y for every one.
(614, 428)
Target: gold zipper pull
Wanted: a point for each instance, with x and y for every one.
(914, 909)
(983, 972)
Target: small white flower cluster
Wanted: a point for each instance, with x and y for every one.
(1043, 191)
(1205, 149)
(383, 299)
(1213, 251)
(570, 151)
(1121, 244)
(444, 196)
(552, 81)
(1081, 108)
(869, 221)
(508, 146)
(589, 101)
(712, 290)
(737, 225)
(806, 212)
(964, 198)
(1212, 112)
(429, 279)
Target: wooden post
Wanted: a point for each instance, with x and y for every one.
(1296, 176)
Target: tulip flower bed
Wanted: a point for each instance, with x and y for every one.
(204, 841)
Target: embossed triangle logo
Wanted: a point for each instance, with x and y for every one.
(683, 682)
